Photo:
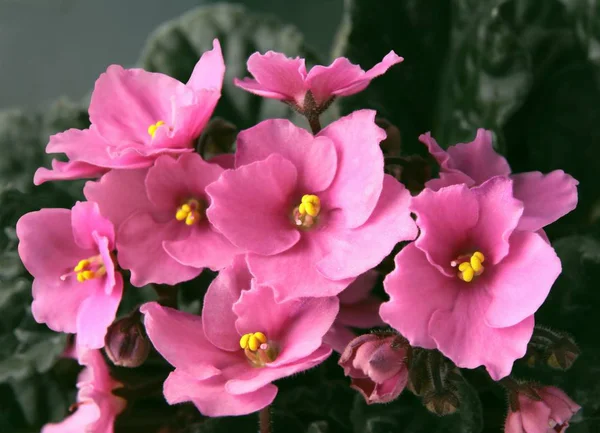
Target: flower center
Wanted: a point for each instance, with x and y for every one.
(154, 127)
(87, 269)
(306, 213)
(190, 212)
(469, 266)
(258, 349)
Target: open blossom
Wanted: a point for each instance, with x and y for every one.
(96, 406)
(226, 360)
(76, 288)
(470, 283)
(358, 309)
(136, 116)
(313, 213)
(377, 365)
(279, 77)
(550, 414)
(163, 235)
(545, 197)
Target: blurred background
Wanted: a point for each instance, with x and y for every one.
(50, 48)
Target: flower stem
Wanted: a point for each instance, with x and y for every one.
(264, 419)
(315, 124)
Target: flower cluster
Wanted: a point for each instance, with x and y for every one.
(296, 223)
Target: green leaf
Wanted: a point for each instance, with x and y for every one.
(175, 47)
(417, 30)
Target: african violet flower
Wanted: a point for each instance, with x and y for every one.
(76, 288)
(96, 406)
(312, 212)
(138, 115)
(546, 197)
(279, 77)
(377, 364)
(470, 283)
(226, 360)
(550, 414)
(163, 235)
(358, 309)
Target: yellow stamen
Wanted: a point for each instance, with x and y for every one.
(252, 341)
(88, 269)
(305, 214)
(469, 266)
(189, 212)
(152, 128)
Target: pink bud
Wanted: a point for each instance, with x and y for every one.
(377, 365)
(549, 414)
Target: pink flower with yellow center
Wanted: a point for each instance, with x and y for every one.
(76, 288)
(470, 283)
(312, 212)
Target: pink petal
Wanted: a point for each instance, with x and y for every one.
(204, 248)
(46, 244)
(87, 220)
(354, 251)
(105, 252)
(276, 76)
(447, 179)
(546, 197)
(338, 337)
(125, 102)
(84, 417)
(460, 333)
(96, 314)
(218, 317)
(417, 290)
(342, 78)
(67, 171)
(535, 415)
(210, 396)
(360, 289)
(561, 406)
(445, 218)
(191, 113)
(301, 277)
(256, 378)
(296, 325)
(224, 160)
(359, 178)
(364, 314)
(499, 214)
(440, 155)
(209, 71)
(70, 295)
(140, 246)
(179, 338)
(119, 194)
(521, 282)
(251, 205)
(315, 159)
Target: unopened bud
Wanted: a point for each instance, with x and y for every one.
(563, 354)
(442, 403)
(391, 145)
(557, 349)
(217, 138)
(126, 343)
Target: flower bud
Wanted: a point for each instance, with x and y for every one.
(377, 364)
(442, 403)
(126, 343)
(562, 354)
(551, 412)
(557, 349)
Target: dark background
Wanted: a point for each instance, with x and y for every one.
(50, 48)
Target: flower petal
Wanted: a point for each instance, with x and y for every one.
(87, 220)
(209, 71)
(315, 159)
(546, 197)
(67, 171)
(251, 205)
(360, 289)
(521, 282)
(359, 178)
(416, 291)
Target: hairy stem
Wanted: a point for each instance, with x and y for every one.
(264, 420)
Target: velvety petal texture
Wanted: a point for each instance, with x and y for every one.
(279, 77)
(137, 116)
(97, 406)
(68, 252)
(226, 360)
(442, 295)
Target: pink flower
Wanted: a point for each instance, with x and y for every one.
(96, 407)
(377, 365)
(67, 171)
(76, 288)
(358, 309)
(470, 283)
(137, 116)
(160, 218)
(550, 414)
(226, 360)
(546, 197)
(279, 77)
(319, 208)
